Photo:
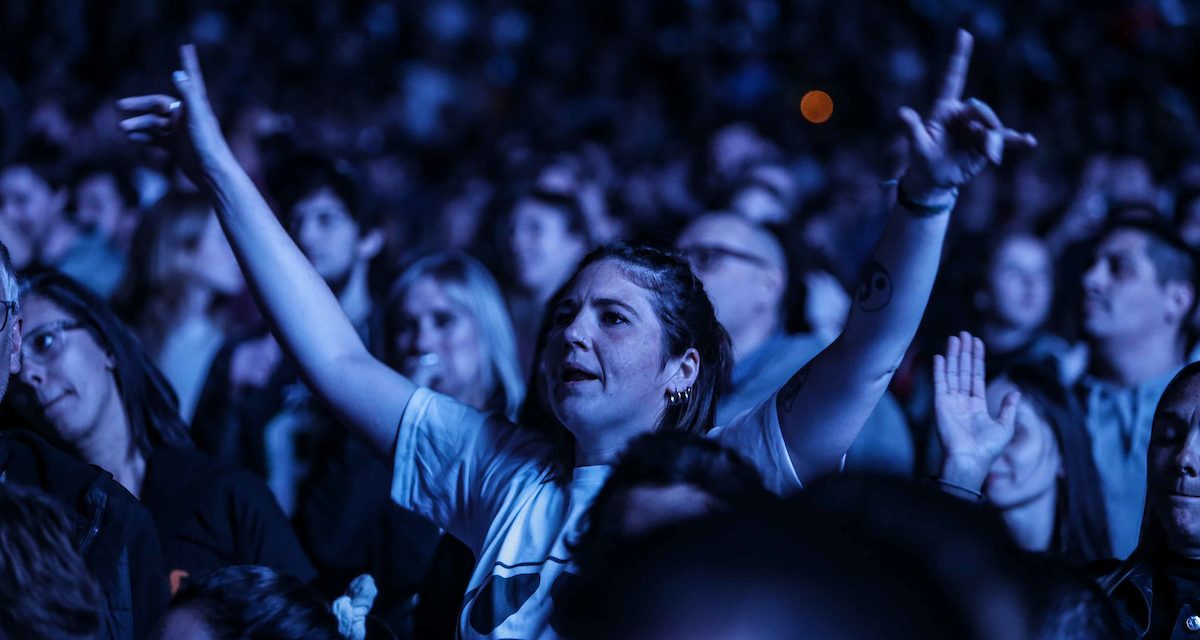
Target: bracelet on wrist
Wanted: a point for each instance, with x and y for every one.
(950, 485)
(925, 209)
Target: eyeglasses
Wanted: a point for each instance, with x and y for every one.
(10, 308)
(44, 344)
(704, 256)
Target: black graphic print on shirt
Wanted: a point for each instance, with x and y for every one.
(504, 593)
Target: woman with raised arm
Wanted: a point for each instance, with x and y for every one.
(631, 345)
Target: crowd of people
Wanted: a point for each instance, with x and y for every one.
(536, 320)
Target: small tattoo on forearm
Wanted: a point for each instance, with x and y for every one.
(875, 291)
(787, 395)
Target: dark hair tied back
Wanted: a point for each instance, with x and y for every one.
(688, 319)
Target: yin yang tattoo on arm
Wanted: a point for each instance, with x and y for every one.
(875, 290)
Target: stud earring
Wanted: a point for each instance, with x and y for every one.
(679, 397)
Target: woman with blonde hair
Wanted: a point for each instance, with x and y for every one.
(449, 330)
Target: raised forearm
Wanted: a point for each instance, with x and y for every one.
(823, 408)
(304, 314)
(894, 290)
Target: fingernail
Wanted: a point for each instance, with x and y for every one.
(180, 75)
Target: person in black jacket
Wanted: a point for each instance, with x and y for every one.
(1157, 590)
(112, 532)
(88, 383)
(44, 584)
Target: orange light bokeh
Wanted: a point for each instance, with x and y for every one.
(816, 106)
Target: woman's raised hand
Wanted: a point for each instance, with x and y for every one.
(958, 138)
(304, 314)
(971, 438)
(187, 127)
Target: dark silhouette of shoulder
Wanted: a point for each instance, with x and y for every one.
(114, 533)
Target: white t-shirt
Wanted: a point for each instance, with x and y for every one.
(499, 489)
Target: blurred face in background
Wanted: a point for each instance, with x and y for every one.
(735, 147)
(30, 208)
(544, 249)
(1123, 298)
(438, 343)
(208, 260)
(1020, 288)
(765, 195)
(736, 267)
(98, 204)
(1030, 464)
(327, 233)
(463, 214)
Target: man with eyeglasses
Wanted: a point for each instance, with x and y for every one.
(744, 270)
(10, 326)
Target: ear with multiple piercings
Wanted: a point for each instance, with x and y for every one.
(679, 397)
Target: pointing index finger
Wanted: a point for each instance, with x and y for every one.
(956, 71)
(194, 79)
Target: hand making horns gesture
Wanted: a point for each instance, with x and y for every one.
(959, 138)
